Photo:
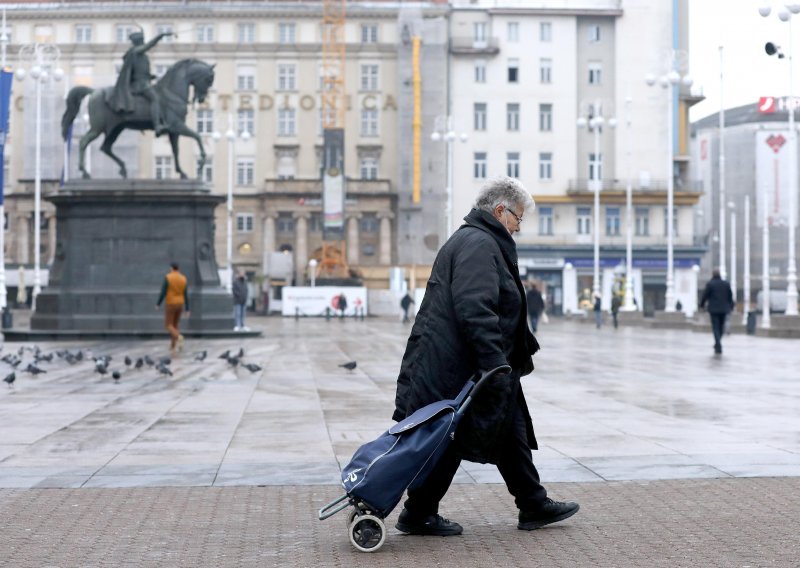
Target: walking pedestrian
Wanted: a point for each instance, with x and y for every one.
(175, 295)
(616, 302)
(342, 305)
(405, 303)
(472, 319)
(240, 301)
(535, 306)
(598, 314)
(719, 296)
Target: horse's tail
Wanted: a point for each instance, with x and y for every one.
(74, 99)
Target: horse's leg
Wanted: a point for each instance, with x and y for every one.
(173, 140)
(182, 130)
(111, 137)
(86, 139)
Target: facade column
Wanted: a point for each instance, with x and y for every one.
(353, 245)
(51, 239)
(23, 239)
(267, 240)
(301, 246)
(385, 250)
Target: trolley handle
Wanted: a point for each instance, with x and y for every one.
(479, 385)
(328, 510)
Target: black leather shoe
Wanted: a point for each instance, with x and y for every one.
(550, 512)
(434, 525)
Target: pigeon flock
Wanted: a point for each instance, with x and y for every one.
(103, 363)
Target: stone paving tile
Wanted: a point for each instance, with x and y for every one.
(717, 523)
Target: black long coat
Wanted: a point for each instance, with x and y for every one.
(471, 319)
(719, 296)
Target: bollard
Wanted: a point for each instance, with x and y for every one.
(296, 314)
(327, 314)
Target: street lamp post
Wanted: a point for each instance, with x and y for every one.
(595, 124)
(732, 207)
(43, 58)
(230, 136)
(765, 322)
(312, 270)
(785, 15)
(627, 304)
(449, 135)
(746, 275)
(668, 81)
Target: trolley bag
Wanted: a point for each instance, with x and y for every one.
(400, 458)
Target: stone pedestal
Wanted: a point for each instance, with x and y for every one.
(115, 241)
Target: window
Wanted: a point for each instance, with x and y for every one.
(123, 33)
(369, 33)
(545, 220)
(674, 221)
(369, 122)
(165, 29)
(247, 32)
(246, 121)
(205, 33)
(479, 165)
(285, 223)
(369, 167)
(315, 223)
(545, 71)
(512, 117)
(246, 78)
(205, 121)
(479, 34)
(545, 32)
(369, 223)
(612, 221)
(163, 169)
(369, 77)
(286, 33)
(245, 174)
(594, 34)
(207, 174)
(545, 117)
(83, 33)
(480, 71)
(286, 122)
(545, 165)
(642, 227)
(244, 222)
(584, 215)
(512, 164)
(513, 70)
(286, 167)
(286, 77)
(595, 73)
(595, 166)
(512, 30)
(479, 116)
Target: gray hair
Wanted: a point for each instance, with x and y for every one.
(506, 190)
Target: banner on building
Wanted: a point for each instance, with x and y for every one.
(773, 161)
(5, 98)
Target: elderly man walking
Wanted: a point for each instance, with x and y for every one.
(472, 319)
(719, 296)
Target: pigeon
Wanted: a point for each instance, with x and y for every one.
(128, 361)
(139, 363)
(349, 365)
(39, 357)
(33, 369)
(10, 378)
(164, 361)
(149, 361)
(116, 376)
(201, 356)
(164, 370)
(79, 356)
(233, 361)
(225, 355)
(252, 367)
(99, 368)
(241, 353)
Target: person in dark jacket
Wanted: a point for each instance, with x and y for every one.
(719, 296)
(405, 304)
(472, 319)
(240, 301)
(598, 313)
(535, 306)
(616, 302)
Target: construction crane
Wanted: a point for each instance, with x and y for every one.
(332, 261)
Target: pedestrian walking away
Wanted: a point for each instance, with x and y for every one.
(535, 306)
(342, 305)
(598, 314)
(472, 320)
(719, 297)
(616, 302)
(405, 304)
(175, 295)
(240, 301)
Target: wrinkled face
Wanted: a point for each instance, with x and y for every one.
(510, 217)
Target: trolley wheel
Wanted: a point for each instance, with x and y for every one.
(367, 533)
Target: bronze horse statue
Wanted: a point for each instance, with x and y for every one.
(173, 90)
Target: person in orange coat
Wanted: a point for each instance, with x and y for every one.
(175, 291)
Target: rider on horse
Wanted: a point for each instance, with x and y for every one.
(134, 79)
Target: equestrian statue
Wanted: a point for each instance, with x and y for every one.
(135, 103)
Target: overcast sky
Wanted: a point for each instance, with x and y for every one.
(749, 72)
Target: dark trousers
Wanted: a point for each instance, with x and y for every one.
(515, 465)
(534, 319)
(718, 327)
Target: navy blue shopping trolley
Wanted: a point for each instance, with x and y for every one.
(399, 459)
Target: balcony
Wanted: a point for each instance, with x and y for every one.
(469, 46)
(586, 185)
(314, 186)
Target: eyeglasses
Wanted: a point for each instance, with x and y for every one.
(517, 217)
